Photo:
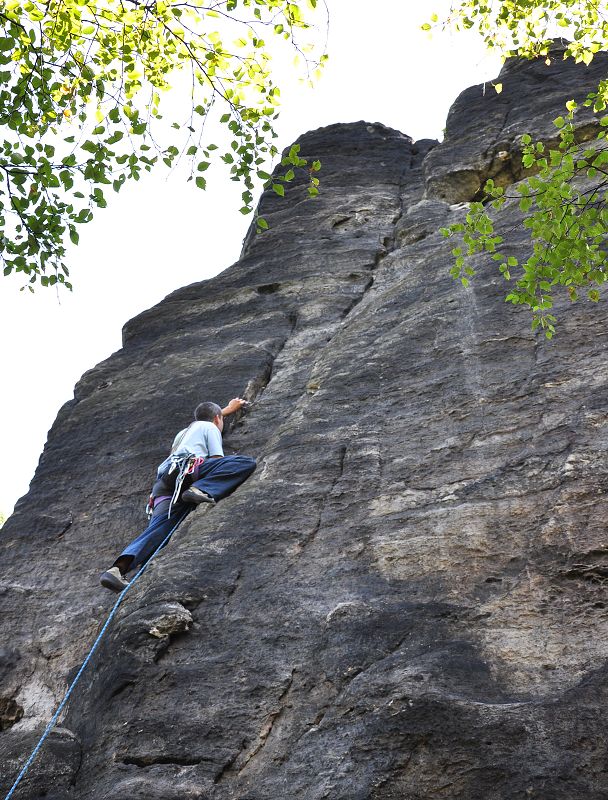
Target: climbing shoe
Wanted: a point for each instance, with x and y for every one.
(113, 580)
(196, 496)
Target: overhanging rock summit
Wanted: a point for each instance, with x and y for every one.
(407, 599)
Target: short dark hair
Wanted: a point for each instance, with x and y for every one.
(207, 412)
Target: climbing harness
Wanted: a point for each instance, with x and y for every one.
(111, 615)
(182, 463)
(185, 464)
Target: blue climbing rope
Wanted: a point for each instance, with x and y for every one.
(63, 703)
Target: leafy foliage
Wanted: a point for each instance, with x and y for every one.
(564, 196)
(82, 84)
(527, 28)
(566, 215)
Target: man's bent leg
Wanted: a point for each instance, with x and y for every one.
(219, 477)
(158, 529)
(140, 549)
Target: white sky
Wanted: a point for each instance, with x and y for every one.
(160, 234)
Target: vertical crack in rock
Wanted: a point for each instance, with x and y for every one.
(386, 246)
(317, 527)
(244, 758)
(227, 769)
(346, 682)
(258, 384)
(359, 298)
(67, 526)
(78, 767)
(235, 585)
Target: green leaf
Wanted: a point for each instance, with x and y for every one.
(115, 137)
(98, 198)
(102, 73)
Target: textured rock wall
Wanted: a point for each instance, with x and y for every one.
(407, 598)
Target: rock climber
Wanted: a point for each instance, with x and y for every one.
(196, 471)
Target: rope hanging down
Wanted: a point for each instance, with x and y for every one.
(63, 703)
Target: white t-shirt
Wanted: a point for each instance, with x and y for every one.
(201, 438)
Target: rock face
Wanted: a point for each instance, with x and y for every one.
(406, 600)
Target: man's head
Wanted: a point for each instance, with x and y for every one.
(209, 412)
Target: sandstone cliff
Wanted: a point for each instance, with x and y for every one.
(407, 599)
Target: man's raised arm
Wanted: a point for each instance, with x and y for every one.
(234, 405)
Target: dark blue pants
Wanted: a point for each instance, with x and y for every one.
(219, 477)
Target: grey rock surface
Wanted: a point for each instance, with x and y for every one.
(484, 128)
(407, 599)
